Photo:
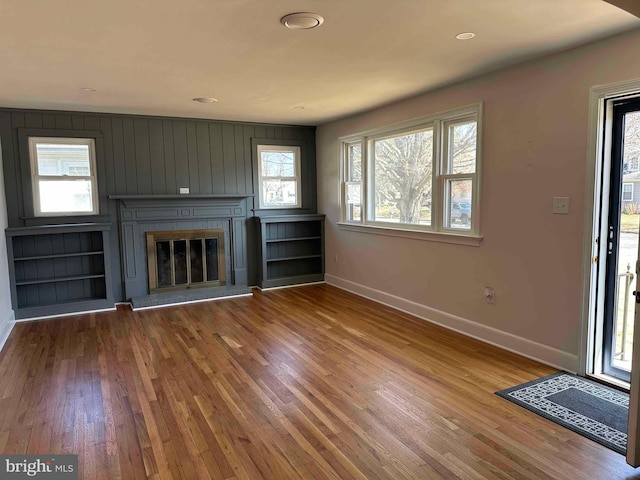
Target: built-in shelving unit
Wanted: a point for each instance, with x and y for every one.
(57, 269)
(291, 250)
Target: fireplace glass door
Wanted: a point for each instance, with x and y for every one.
(185, 259)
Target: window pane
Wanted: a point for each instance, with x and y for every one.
(355, 162)
(402, 178)
(459, 204)
(278, 193)
(278, 164)
(58, 159)
(354, 210)
(627, 192)
(462, 147)
(65, 196)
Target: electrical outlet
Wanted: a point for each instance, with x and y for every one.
(561, 205)
(489, 295)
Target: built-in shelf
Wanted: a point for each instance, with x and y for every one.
(291, 250)
(58, 269)
(298, 239)
(58, 279)
(61, 255)
(81, 304)
(288, 259)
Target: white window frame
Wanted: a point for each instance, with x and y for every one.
(631, 192)
(295, 149)
(348, 182)
(35, 177)
(440, 178)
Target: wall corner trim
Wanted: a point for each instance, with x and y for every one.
(6, 327)
(513, 343)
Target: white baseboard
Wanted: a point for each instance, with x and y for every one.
(66, 314)
(527, 348)
(6, 327)
(289, 286)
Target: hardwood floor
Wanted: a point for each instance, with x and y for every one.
(301, 383)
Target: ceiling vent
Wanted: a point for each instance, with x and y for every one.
(302, 21)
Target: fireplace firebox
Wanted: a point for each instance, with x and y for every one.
(182, 259)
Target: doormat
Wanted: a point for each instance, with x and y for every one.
(586, 407)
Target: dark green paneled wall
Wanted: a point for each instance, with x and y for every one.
(151, 155)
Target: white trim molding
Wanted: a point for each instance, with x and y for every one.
(513, 343)
(6, 328)
(444, 237)
(66, 314)
(596, 168)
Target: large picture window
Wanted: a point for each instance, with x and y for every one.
(63, 173)
(420, 176)
(279, 172)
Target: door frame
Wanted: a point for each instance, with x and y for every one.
(596, 200)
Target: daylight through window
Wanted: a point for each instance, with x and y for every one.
(421, 176)
(63, 176)
(279, 171)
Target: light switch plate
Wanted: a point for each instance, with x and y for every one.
(184, 190)
(561, 205)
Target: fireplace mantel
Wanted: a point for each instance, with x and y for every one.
(155, 200)
(183, 196)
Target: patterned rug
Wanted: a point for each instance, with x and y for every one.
(586, 407)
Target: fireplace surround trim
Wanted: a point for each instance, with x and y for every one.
(138, 214)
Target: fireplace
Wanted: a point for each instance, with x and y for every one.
(168, 214)
(183, 259)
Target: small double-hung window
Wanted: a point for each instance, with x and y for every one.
(279, 174)
(63, 174)
(421, 176)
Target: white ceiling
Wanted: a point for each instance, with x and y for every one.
(154, 56)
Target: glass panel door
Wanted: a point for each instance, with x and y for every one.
(622, 247)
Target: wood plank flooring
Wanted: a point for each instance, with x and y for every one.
(302, 383)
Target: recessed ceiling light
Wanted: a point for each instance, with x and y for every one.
(465, 35)
(302, 21)
(88, 89)
(205, 100)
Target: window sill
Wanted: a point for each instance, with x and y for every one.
(470, 240)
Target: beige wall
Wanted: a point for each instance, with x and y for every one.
(535, 148)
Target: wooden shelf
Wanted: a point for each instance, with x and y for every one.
(68, 306)
(287, 259)
(58, 279)
(291, 249)
(42, 284)
(58, 255)
(57, 229)
(297, 239)
(292, 280)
